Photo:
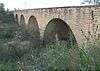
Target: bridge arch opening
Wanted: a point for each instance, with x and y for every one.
(16, 19)
(33, 27)
(58, 30)
(22, 20)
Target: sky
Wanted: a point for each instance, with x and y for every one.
(30, 4)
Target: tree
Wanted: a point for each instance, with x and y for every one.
(2, 7)
(93, 2)
(6, 16)
(2, 12)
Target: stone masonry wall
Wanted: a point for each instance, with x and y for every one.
(79, 18)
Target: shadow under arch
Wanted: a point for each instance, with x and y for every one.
(58, 30)
(22, 21)
(33, 27)
(16, 19)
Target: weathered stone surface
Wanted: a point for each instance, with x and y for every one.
(77, 17)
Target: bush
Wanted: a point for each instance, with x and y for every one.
(57, 57)
(8, 66)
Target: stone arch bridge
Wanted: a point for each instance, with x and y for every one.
(60, 23)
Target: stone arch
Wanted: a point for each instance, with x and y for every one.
(22, 20)
(16, 19)
(58, 30)
(33, 27)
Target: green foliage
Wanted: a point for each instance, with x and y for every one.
(95, 2)
(51, 57)
(6, 16)
(8, 66)
(6, 33)
(60, 57)
(57, 57)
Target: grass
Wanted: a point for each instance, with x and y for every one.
(23, 54)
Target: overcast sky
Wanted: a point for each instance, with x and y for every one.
(26, 4)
